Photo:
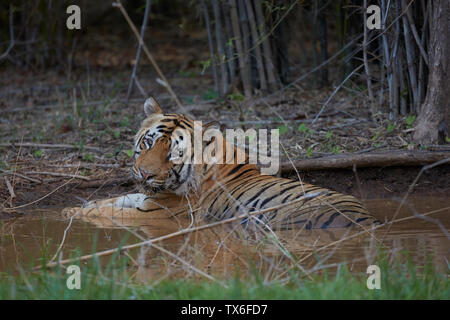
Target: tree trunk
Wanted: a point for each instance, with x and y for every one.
(434, 119)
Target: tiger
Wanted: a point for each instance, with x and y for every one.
(170, 181)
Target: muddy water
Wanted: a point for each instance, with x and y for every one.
(24, 241)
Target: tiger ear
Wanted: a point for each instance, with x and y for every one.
(152, 106)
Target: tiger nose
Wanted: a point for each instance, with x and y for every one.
(146, 175)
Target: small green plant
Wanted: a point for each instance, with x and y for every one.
(328, 135)
(187, 74)
(205, 65)
(189, 100)
(447, 139)
(38, 153)
(129, 152)
(376, 136)
(236, 97)
(210, 94)
(335, 149)
(410, 120)
(89, 157)
(81, 145)
(116, 134)
(4, 165)
(125, 122)
(309, 152)
(390, 127)
(283, 129)
(303, 128)
(118, 149)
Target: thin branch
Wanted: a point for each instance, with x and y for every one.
(147, 52)
(334, 93)
(138, 53)
(57, 174)
(46, 145)
(20, 176)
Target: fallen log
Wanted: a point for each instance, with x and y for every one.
(373, 159)
(106, 182)
(46, 146)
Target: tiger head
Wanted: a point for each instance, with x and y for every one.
(163, 152)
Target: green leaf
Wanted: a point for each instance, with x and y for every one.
(328, 135)
(309, 152)
(410, 120)
(205, 65)
(236, 97)
(302, 127)
(117, 134)
(283, 129)
(38, 153)
(336, 149)
(375, 137)
(210, 94)
(129, 152)
(125, 122)
(390, 128)
(88, 157)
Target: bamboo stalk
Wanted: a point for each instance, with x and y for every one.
(240, 51)
(366, 63)
(211, 47)
(396, 73)
(323, 42)
(414, 31)
(422, 74)
(314, 39)
(220, 46)
(410, 59)
(258, 55)
(266, 46)
(402, 84)
(228, 48)
(243, 22)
